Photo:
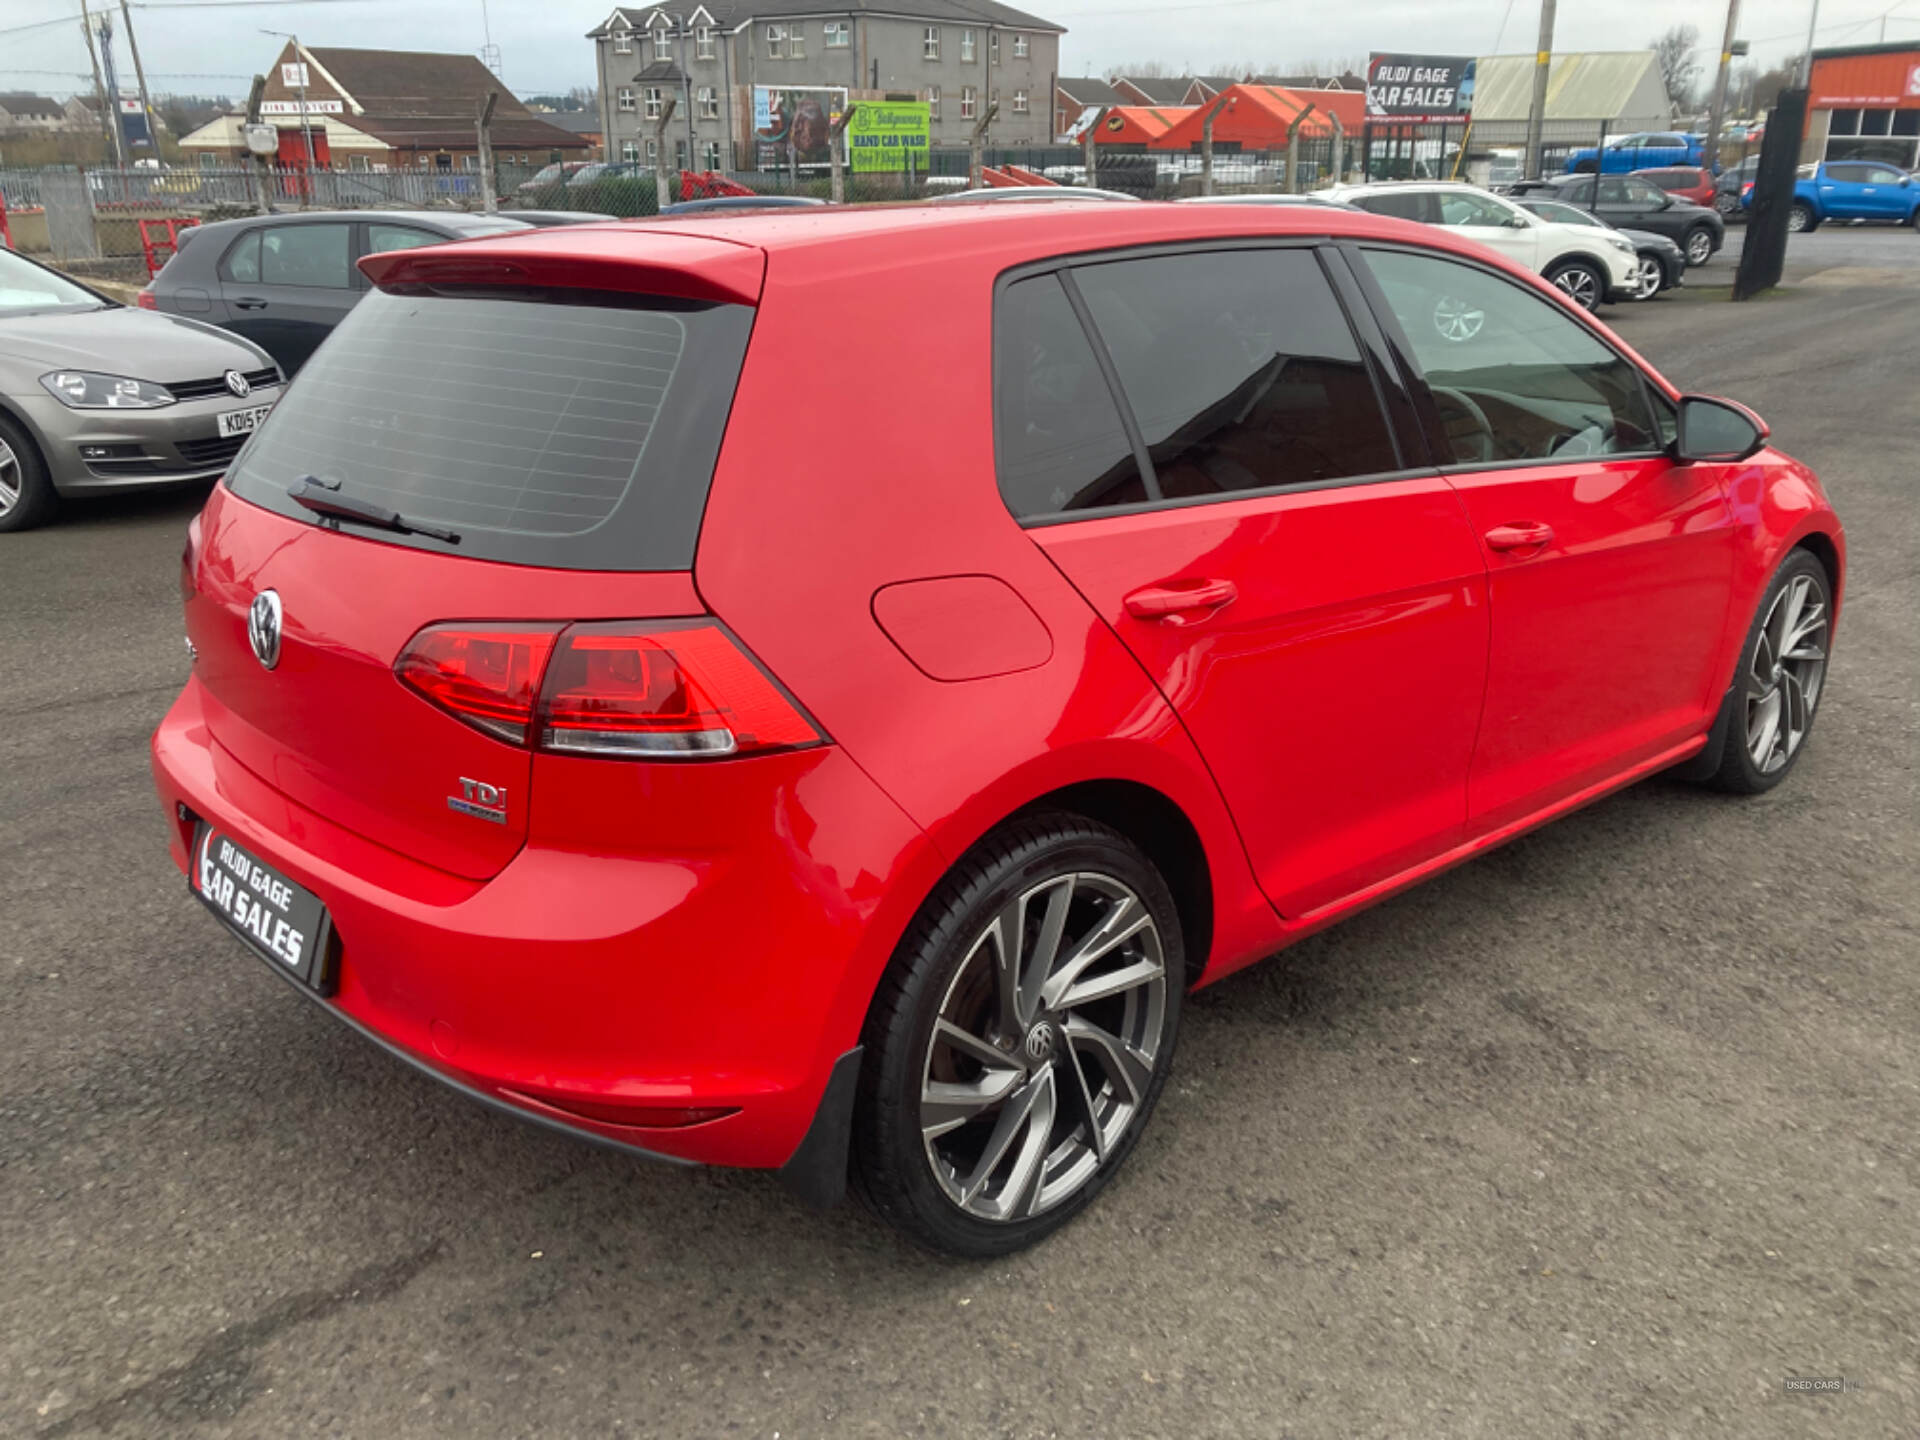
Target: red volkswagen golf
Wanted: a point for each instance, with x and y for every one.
(814, 692)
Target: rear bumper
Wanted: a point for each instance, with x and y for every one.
(730, 979)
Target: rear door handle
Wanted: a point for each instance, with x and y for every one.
(1175, 600)
(250, 302)
(1522, 535)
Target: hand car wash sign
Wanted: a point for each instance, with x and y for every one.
(1419, 87)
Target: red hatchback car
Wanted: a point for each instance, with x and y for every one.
(1687, 182)
(813, 692)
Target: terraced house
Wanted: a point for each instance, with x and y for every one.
(677, 85)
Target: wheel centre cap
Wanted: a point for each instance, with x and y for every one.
(1041, 1041)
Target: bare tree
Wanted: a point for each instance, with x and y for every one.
(1147, 70)
(1676, 50)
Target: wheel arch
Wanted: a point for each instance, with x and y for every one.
(1822, 547)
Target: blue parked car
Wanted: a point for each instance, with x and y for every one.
(1641, 151)
(1849, 190)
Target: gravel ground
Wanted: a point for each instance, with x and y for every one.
(1606, 1134)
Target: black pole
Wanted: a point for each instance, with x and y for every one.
(1763, 255)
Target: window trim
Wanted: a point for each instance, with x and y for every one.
(709, 102)
(624, 99)
(703, 43)
(622, 41)
(1064, 265)
(841, 28)
(1415, 378)
(1019, 102)
(930, 42)
(1020, 46)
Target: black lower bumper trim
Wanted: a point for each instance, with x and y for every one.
(817, 1169)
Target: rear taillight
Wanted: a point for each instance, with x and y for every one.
(675, 690)
(145, 299)
(488, 676)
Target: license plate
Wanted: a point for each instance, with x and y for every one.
(286, 925)
(243, 422)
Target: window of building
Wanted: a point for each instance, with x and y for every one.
(469, 162)
(930, 42)
(993, 47)
(776, 42)
(680, 154)
(796, 42)
(1019, 102)
(1019, 47)
(839, 34)
(710, 155)
(656, 99)
(966, 102)
(208, 160)
(703, 43)
(709, 103)
(630, 152)
(626, 99)
(1523, 381)
(933, 102)
(1876, 122)
(966, 47)
(1844, 122)
(653, 152)
(1906, 122)
(1240, 369)
(622, 42)
(662, 43)
(358, 162)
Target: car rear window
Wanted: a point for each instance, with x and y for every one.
(547, 428)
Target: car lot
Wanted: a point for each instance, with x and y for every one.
(1606, 1134)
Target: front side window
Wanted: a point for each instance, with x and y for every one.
(1240, 368)
(1513, 376)
(1059, 441)
(306, 255)
(1463, 207)
(1402, 205)
(930, 42)
(1643, 195)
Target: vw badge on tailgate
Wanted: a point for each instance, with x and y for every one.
(263, 628)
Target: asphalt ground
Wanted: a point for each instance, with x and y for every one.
(1607, 1134)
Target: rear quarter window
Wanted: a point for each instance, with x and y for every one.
(547, 428)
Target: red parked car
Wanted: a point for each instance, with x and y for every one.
(814, 692)
(1684, 182)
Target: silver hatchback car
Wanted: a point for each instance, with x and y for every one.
(98, 396)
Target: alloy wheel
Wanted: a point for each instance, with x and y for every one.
(1578, 284)
(1699, 247)
(1784, 675)
(1456, 320)
(1797, 219)
(1647, 278)
(1043, 1052)
(11, 479)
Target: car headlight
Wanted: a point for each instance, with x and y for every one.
(85, 390)
(1621, 243)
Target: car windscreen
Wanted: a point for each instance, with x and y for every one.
(555, 428)
(26, 286)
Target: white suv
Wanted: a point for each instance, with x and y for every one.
(1590, 265)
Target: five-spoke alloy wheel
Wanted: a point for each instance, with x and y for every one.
(1021, 1038)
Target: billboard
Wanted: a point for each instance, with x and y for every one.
(1419, 87)
(890, 135)
(794, 115)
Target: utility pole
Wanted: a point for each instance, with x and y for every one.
(99, 85)
(1206, 145)
(140, 73)
(483, 129)
(1806, 70)
(1537, 114)
(1717, 106)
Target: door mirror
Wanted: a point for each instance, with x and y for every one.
(1519, 221)
(1722, 430)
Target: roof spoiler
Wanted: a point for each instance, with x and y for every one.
(628, 260)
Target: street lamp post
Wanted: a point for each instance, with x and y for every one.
(300, 84)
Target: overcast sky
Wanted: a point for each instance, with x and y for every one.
(213, 48)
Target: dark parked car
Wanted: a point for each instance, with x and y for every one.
(1631, 203)
(1733, 180)
(284, 281)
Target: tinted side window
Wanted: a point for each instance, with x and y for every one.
(1849, 173)
(1515, 379)
(312, 255)
(242, 262)
(1417, 206)
(399, 237)
(1613, 190)
(1061, 445)
(1639, 192)
(1240, 368)
(1461, 207)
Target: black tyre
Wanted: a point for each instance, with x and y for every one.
(27, 496)
(1581, 281)
(1800, 218)
(999, 1096)
(1698, 245)
(1782, 675)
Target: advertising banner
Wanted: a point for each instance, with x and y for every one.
(796, 115)
(1419, 87)
(889, 135)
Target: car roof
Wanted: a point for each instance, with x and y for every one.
(454, 222)
(1406, 187)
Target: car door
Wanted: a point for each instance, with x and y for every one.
(286, 286)
(1219, 480)
(1884, 192)
(1493, 223)
(1609, 566)
(1841, 188)
(1629, 203)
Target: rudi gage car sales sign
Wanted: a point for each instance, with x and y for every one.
(1418, 87)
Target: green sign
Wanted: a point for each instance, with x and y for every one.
(888, 135)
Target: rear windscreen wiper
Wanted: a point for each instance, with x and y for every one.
(324, 499)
